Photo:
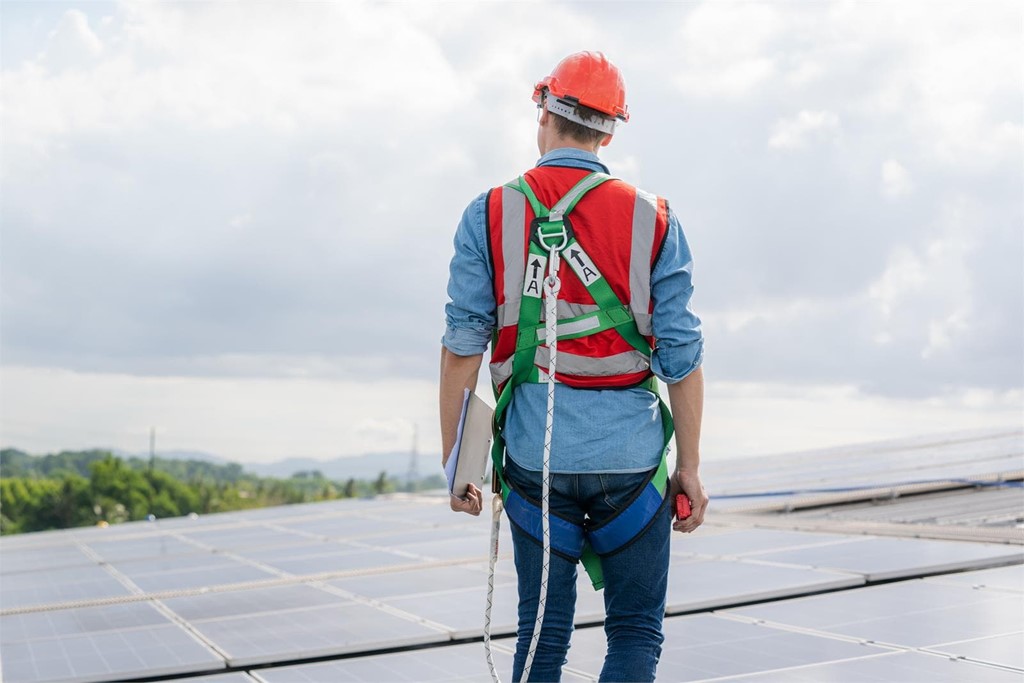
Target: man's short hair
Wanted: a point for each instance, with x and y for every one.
(577, 131)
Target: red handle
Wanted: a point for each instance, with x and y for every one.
(682, 506)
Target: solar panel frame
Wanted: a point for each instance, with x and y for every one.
(314, 632)
(906, 667)
(882, 558)
(912, 614)
(255, 601)
(47, 624)
(452, 663)
(105, 656)
(700, 584)
(58, 585)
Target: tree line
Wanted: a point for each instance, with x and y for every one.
(83, 488)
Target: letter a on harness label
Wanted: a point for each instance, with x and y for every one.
(584, 267)
(534, 278)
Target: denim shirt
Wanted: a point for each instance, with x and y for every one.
(595, 430)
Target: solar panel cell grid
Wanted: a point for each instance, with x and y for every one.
(61, 623)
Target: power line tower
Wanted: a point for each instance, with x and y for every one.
(152, 448)
(413, 475)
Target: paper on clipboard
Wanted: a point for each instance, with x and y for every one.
(468, 460)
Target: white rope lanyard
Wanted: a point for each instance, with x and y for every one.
(496, 508)
(552, 285)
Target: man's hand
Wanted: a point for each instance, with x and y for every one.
(472, 504)
(688, 483)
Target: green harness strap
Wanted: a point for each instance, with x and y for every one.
(611, 314)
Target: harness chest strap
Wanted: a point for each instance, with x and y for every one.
(568, 539)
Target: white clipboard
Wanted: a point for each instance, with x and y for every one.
(468, 460)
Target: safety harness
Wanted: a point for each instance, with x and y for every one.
(551, 239)
(551, 234)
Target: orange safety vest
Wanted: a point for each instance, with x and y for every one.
(620, 230)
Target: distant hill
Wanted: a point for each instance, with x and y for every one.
(353, 467)
(174, 455)
(367, 466)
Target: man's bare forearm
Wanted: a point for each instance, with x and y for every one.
(458, 373)
(686, 398)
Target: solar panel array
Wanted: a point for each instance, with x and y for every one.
(389, 588)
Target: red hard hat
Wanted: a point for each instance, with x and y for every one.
(590, 79)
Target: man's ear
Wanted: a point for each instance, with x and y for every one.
(607, 141)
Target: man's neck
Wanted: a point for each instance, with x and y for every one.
(564, 143)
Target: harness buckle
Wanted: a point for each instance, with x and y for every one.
(552, 234)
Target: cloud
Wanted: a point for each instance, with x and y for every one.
(896, 180)
(72, 44)
(276, 202)
(794, 132)
(712, 65)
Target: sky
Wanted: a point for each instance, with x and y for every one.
(232, 222)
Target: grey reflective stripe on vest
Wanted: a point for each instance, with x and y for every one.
(575, 327)
(645, 216)
(513, 217)
(625, 363)
(501, 371)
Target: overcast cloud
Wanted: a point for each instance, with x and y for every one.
(266, 192)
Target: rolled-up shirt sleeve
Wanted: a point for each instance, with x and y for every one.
(470, 313)
(679, 341)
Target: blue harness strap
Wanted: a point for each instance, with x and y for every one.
(604, 539)
(566, 537)
(628, 524)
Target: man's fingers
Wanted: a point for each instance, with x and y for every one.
(472, 504)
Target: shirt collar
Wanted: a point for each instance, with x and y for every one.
(573, 158)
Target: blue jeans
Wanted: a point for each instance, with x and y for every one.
(636, 579)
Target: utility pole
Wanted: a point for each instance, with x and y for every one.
(152, 448)
(413, 475)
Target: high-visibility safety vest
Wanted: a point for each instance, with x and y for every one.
(608, 248)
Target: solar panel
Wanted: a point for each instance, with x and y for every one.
(345, 527)
(233, 677)
(171, 563)
(427, 568)
(462, 611)
(435, 533)
(58, 585)
(910, 614)
(160, 545)
(314, 632)
(246, 536)
(907, 667)
(465, 546)
(913, 459)
(707, 584)
(749, 541)
(1005, 650)
(887, 558)
(66, 622)
(105, 656)
(706, 646)
(339, 561)
(455, 663)
(35, 559)
(253, 601)
(1000, 578)
(418, 581)
(199, 578)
